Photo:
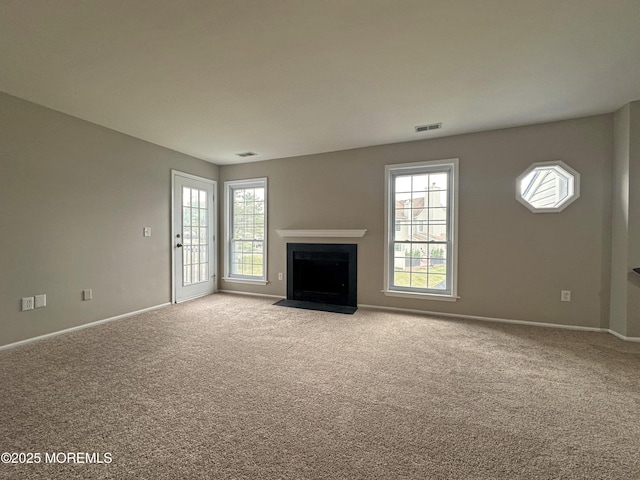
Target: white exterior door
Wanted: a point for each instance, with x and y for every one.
(193, 236)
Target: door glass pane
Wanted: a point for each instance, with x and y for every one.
(204, 270)
(194, 236)
(196, 272)
(186, 275)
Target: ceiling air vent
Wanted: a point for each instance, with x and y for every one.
(426, 128)
(246, 154)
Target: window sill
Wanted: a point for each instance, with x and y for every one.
(246, 281)
(420, 296)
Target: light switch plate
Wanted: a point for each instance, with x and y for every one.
(87, 294)
(146, 231)
(41, 300)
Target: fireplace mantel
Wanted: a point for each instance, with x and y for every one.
(336, 233)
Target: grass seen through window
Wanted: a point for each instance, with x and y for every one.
(420, 277)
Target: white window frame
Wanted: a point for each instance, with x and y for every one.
(574, 192)
(451, 166)
(229, 187)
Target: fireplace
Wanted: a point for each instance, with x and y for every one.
(322, 276)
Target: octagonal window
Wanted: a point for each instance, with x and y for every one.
(548, 187)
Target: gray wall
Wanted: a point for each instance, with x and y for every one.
(620, 222)
(512, 263)
(74, 199)
(633, 313)
(625, 232)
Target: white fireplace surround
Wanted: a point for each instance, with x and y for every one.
(335, 233)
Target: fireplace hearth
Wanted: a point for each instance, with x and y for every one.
(322, 276)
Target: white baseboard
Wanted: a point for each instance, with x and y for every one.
(251, 294)
(374, 307)
(622, 337)
(488, 319)
(80, 327)
(195, 297)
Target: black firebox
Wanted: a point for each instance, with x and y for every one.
(322, 276)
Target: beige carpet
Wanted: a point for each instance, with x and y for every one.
(233, 387)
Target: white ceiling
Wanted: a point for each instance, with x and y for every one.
(292, 77)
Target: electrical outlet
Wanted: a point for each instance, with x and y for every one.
(27, 303)
(41, 300)
(280, 276)
(87, 294)
(565, 295)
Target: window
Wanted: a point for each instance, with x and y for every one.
(246, 219)
(421, 251)
(548, 187)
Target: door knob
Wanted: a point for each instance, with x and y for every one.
(179, 245)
